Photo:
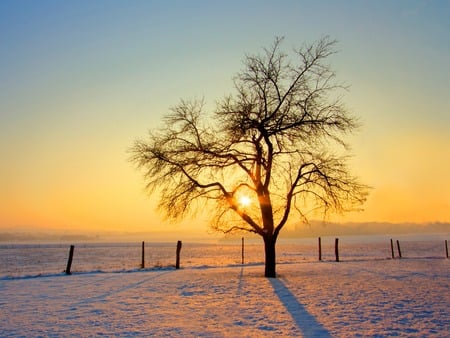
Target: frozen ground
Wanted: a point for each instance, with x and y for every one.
(379, 298)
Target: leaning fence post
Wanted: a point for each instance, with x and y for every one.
(446, 249)
(336, 249)
(320, 249)
(398, 248)
(69, 261)
(392, 249)
(143, 255)
(177, 265)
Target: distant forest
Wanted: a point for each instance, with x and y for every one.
(316, 228)
(25, 237)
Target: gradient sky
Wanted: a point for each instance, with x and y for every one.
(81, 80)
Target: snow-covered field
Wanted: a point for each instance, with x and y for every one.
(355, 298)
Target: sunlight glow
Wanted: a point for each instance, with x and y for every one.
(244, 201)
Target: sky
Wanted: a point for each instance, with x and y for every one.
(80, 81)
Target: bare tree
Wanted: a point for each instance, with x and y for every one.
(272, 149)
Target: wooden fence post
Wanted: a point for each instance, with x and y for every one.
(69, 261)
(398, 248)
(336, 249)
(143, 255)
(242, 250)
(320, 249)
(446, 249)
(177, 264)
(392, 249)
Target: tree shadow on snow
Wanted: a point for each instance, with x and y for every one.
(307, 323)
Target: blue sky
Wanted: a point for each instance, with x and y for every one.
(79, 81)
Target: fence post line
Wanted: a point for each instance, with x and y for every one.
(242, 250)
(392, 249)
(69, 261)
(177, 264)
(336, 249)
(446, 249)
(398, 248)
(143, 255)
(320, 249)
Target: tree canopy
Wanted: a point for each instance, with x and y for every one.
(275, 147)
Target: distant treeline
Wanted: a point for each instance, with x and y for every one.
(39, 237)
(317, 228)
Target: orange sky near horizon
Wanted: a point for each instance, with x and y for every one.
(79, 82)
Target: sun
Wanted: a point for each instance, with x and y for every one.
(244, 201)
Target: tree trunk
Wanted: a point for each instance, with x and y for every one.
(269, 248)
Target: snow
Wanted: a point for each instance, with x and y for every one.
(355, 298)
